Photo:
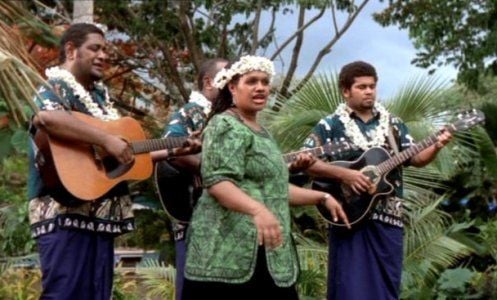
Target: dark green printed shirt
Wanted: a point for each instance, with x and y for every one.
(222, 244)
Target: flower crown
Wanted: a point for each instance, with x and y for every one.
(246, 64)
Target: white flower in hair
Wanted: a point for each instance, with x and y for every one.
(246, 64)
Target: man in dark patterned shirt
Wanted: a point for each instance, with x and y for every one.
(366, 263)
(75, 238)
(189, 119)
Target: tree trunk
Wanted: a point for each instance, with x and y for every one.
(82, 11)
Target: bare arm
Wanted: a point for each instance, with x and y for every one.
(63, 125)
(355, 179)
(233, 198)
(428, 155)
(301, 196)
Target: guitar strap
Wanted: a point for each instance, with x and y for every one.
(391, 138)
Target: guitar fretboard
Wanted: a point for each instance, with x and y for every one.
(403, 156)
(146, 146)
(292, 156)
(330, 149)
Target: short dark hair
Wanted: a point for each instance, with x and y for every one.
(350, 71)
(208, 68)
(77, 34)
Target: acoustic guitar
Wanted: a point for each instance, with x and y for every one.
(376, 163)
(85, 170)
(179, 190)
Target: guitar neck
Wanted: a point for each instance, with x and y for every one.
(292, 156)
(146, 146)
(410, 152)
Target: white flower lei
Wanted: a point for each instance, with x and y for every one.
(246, 64)
(58, 73)
(198, 98)
(353, 132)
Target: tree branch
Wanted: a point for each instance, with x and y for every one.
(295, 55)
(189, 34)
(327, 48)
(255, 28)
(296, 33)
(271, 28)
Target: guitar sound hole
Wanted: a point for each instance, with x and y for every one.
(371, 174)
(114, 169)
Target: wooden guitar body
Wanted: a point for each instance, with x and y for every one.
(87, 172)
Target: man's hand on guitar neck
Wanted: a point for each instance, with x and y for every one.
(428, 155)
(191, 146)
(303, 162)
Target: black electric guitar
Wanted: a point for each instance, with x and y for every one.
(179, 190)
(376, 163)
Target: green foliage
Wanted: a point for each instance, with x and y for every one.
(485, 283)
(152, 230)
(428, 245)
(454, 282)
(15, 234)
(20, 284)
(302, 111)
(466, 37)
(158, 278)
(125, 287)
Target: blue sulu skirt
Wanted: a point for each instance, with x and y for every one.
(366, 264)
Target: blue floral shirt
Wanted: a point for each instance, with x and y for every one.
(112, 214)
(188, 119)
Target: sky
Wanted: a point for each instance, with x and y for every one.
(387, 48)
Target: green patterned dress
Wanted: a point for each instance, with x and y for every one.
(222, 243)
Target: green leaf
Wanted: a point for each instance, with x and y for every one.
(5, 144)
(455, 280)
(19, 140)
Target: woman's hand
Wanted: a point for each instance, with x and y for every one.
(269, 231)
(336, 210)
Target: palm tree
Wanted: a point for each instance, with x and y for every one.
(18, 76)
(429, 243)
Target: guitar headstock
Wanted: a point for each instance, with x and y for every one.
(469, 119)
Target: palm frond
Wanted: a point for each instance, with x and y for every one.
(300, 113)
(429, 247)
(159, 278)
(18, 74)
(415, 100)
(313, 258)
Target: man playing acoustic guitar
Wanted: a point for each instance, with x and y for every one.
(366, 263)
(76, 238)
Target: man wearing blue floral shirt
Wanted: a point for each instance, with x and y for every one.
(366, 263)
(190, 119)
(75, 238)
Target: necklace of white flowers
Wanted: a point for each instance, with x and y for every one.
(198, 98)
(353, 132)
(106, 114)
